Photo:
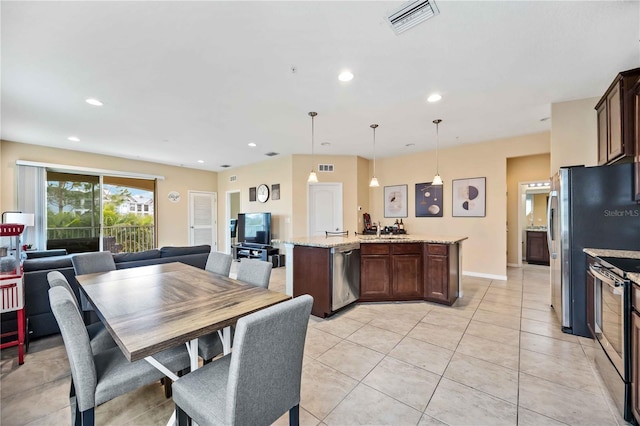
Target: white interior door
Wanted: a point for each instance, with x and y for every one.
(325, 208)
(203, 208)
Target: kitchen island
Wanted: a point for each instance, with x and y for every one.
(391, 268)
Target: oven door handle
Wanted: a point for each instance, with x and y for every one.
(596, 271)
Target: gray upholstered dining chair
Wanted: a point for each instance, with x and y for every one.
(251, 271)
(219, 263)
(98, 335)
(262, 374)
(89, 263)
(255, 272)
(100, 377)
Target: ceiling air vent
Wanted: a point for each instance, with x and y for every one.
(325, 167)
(271, 154)
(411, 14)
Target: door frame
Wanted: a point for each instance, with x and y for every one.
(214, 211)
(522, 196)
(227, 226)
(340, 207)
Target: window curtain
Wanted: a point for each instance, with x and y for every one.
(32, 198)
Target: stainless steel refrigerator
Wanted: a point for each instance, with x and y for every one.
(588, 207)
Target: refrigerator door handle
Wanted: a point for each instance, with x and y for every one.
(550, 227)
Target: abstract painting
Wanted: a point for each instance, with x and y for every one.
(395, 201)
(469, 197)
(428, 200)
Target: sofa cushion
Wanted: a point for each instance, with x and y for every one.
(131, 257)
(45, 253)
(44, 263)
(181, 251)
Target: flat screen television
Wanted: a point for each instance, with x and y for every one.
(254, 228)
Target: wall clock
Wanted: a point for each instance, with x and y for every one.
(263, 193)
(173, 196)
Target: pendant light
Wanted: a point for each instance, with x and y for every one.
(374, 180)
(313, 178)
(437, 180)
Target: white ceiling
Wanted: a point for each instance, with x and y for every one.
(188, 81)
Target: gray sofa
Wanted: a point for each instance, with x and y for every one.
(41, 321)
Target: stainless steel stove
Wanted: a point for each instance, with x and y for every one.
(612, 328)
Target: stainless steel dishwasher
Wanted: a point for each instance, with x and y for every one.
(345, 270)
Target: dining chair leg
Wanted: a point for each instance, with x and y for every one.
(87, 417)
(182, 419)
(294, 415)
(167, 387)
(73, 405)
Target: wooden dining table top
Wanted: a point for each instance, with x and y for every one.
(148, 309)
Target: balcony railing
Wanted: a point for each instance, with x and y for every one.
(119, 238)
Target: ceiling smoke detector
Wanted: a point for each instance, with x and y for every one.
(411, 14)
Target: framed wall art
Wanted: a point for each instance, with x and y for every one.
(428, 200)
(252, 193)
(395, 201)
(275, 191)
(469, 197)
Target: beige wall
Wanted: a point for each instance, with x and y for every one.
(572, 141)
(574, 134)
(485, 250)
(172, 218)
(365, 173)
(521, 169)
(346, 171)
(275, 170)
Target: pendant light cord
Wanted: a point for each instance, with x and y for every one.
(374, 126)
(437, 149)
(313, 115)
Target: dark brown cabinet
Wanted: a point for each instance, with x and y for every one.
(537, 248)
(312, 275)
(406, 271)
(390, 272)
(617, 116)
(375, 272)
(441, 273)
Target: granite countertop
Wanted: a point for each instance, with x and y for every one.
(536, 229)
(329, 242)
(630, 254)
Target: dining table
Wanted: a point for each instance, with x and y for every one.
(148, 309)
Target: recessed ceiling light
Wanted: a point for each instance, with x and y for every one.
(74, 138)
(434, 98)
(410, 144)
(325, 143)
(201, 161)
(545, 118)
(345, 76)
(94, 102)
(252, 144)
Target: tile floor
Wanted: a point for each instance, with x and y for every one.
(496, 357)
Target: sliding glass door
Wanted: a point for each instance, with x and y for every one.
(73, 212)
(93, 213)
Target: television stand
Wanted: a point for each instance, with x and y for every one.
(253, 252)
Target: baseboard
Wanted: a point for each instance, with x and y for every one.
(482, 275)
(514, 265)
